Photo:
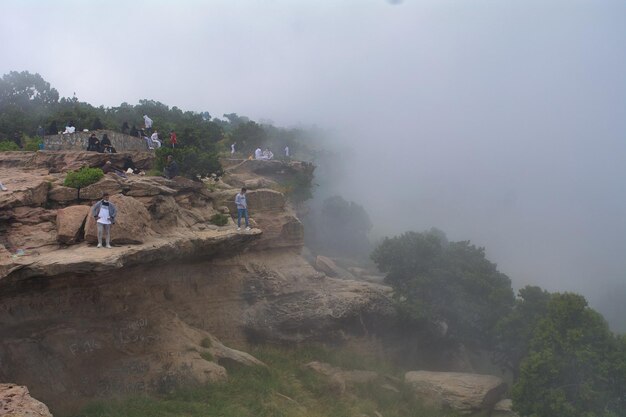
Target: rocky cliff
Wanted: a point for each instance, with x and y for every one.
(176, 300)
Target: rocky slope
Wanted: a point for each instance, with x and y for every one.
(176, 300)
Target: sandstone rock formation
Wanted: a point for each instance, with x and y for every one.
(70, 223)
(15, 401)
(504, 408)
(132, 222)
(82, 323)
(342, 378)
(466, 393)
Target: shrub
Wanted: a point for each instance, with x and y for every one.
(7, 145)
(207, 356)
(206, 343)
(32, 144)
(83, 177)
(192, 162)
(219, 219)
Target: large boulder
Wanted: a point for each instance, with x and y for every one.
(109, 184)
(62, 194)
(132, 222)
(327, 266)
(15, 401)
(504, 408)
(148, 186)
(70, 222)
(464, 392)
(25, 190)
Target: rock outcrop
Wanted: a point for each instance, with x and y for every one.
(15, 401)
(178, 298)
(463, 392)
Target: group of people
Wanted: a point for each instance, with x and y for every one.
(103, 146)
(153, 141)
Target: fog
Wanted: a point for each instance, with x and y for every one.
(500, 122)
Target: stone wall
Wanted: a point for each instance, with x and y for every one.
(78, 141)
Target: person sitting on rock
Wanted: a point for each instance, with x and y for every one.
(171, 168)
(125, 128)
(155, 139)
(104, 212)
(106, 146)
(267, 154)
(242, 209)
(108, 168)
(129, 166)
(258, 154)
(70, 128)
(93, 144)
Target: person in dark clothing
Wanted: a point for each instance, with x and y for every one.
(125, 128)
(93, 144)
(129, 164)
(133, 131)
(108, 168)
(106, 146)
(171, 168)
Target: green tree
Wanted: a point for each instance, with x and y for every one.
(570, 370)
(439, 281)
(514, 331)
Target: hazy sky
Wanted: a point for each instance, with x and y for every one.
(502, 122)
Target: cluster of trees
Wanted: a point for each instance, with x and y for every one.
(565, 360)
(30, 105)
(338, 226)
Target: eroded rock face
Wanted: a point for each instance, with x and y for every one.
(132, 222)
(70, 223)
(464, 392)
(15, 401)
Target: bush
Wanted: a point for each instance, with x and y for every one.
(32, 144)
(7, 145)
(83, 177)
(219, 219)
(192, 162)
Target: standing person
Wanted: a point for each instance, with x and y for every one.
(104, 212)
(147, 122)
(40, 131)
(125, 128)
(232, 149)
(171, 168)
(287, 151)
(242, 208)
(173, 139)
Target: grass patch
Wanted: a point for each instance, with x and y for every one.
(284, 389)
(207, 356)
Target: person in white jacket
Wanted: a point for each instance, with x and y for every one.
(147, 122)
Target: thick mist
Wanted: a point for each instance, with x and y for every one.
(503, 123)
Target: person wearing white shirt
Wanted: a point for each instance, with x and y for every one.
(104, 212)
(287, 151)
(155, 139)
(258, 154)
(147, 122)
(232, 149)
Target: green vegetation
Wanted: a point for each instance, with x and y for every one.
(193, 161)
(564, 359)
(207, 356)
(83, 177)
(219, 219)
(284, 389)
(575, 366)
(338, 227)
(7, 145)
(439, 281)
(206, 343)
(31, 144)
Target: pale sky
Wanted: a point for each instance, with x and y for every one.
(502, 122)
